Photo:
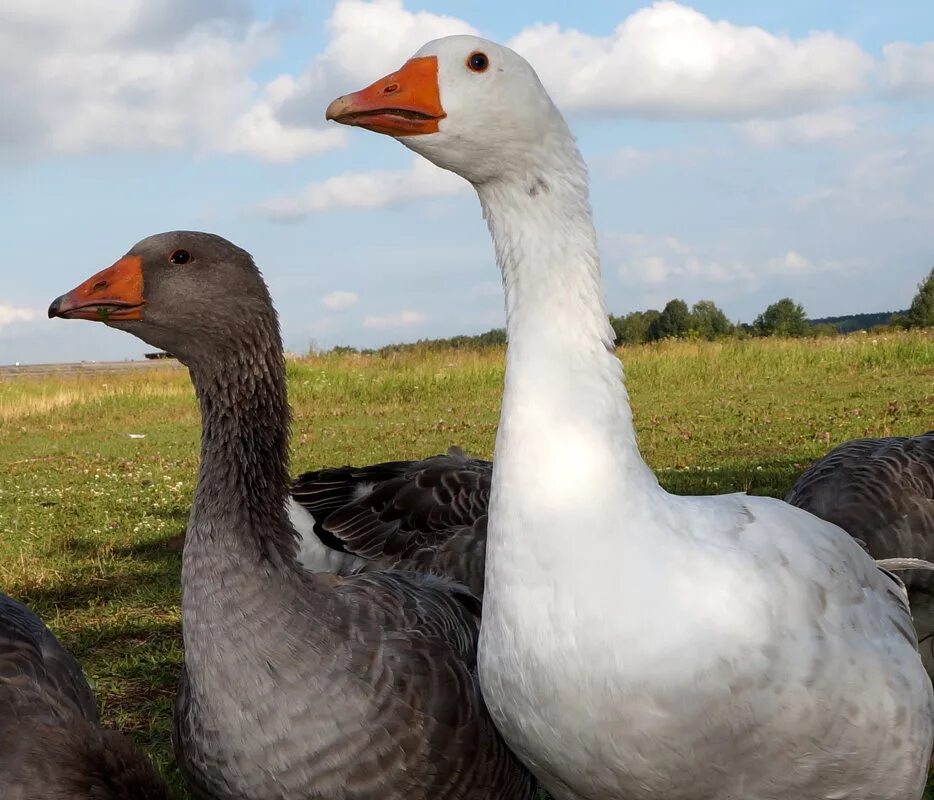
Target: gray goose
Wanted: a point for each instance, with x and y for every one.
(296, 684)
(427, 515)
(51, 743)
(882, 492)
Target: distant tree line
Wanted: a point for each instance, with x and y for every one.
(705, 320)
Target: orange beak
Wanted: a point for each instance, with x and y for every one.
(115, 293)
(405, 103)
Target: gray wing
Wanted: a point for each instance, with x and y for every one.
(880, 491)
(427, 632)
(29, 652)
(429, 514)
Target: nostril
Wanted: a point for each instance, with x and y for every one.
(101, 284)
(393, 87)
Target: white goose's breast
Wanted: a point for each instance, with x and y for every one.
(698, 695)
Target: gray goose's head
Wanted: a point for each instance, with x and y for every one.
(194, 295)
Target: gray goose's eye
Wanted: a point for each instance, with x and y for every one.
(180, 257)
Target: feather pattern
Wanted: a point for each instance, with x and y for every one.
(428, 516)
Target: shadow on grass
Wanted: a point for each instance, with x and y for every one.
(165, 549)
(117, 588)
(773, 478)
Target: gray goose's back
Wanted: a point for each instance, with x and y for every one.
(30, 655)
(51, 745)
(881, 491)
(427, 516)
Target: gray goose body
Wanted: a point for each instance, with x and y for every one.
(51, 745)
(427, 516)
(296, 684)
(881, 491)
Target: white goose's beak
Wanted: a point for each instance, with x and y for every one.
(404, 103)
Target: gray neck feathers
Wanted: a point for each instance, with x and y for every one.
(244, 476)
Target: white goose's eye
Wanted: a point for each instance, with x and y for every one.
(478, 62)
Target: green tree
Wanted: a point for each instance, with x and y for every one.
(675, 320)
(784, 318)
(634, 327)
(824, 329)
(921, 312)
(709, 321)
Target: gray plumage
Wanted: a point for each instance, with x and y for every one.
(51, 745)
(426, 516)
(881, 491)
(298, 684)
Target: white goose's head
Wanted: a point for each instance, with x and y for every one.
(467, 104)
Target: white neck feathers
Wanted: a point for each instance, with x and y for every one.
(566, 436)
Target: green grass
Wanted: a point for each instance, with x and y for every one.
(90, 518)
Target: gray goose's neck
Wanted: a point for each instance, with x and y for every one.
(243, 481)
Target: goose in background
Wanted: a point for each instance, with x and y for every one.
(882, 492)
(685, 647)
(296, 685)
(51, 744)
(425, 516)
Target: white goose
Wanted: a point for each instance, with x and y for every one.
(690, 648)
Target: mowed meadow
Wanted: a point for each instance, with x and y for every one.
(98, 469)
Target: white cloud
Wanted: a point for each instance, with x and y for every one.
(259, 132)
(138, 75)
(339, 301)
(365, 41)
(373, 189)
(669, 60)
(667, 260)
(131, 75)
(404, 319)
(10, 315)
(908, 69)
(812, 128)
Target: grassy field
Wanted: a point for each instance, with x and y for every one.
(91, 517)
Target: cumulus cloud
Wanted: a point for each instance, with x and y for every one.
(404, 319)
(365, 41)
(908, 69)
(10, 315)
(373, 189)
(260, 132)
(339, 301)
(132, 75)
(138, 75)
(669, 60)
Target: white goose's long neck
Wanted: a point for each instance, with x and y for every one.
(566, 441)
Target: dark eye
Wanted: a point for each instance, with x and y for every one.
(478, 62)
(180, 257)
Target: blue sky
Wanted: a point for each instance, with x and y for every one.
(739, 152)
